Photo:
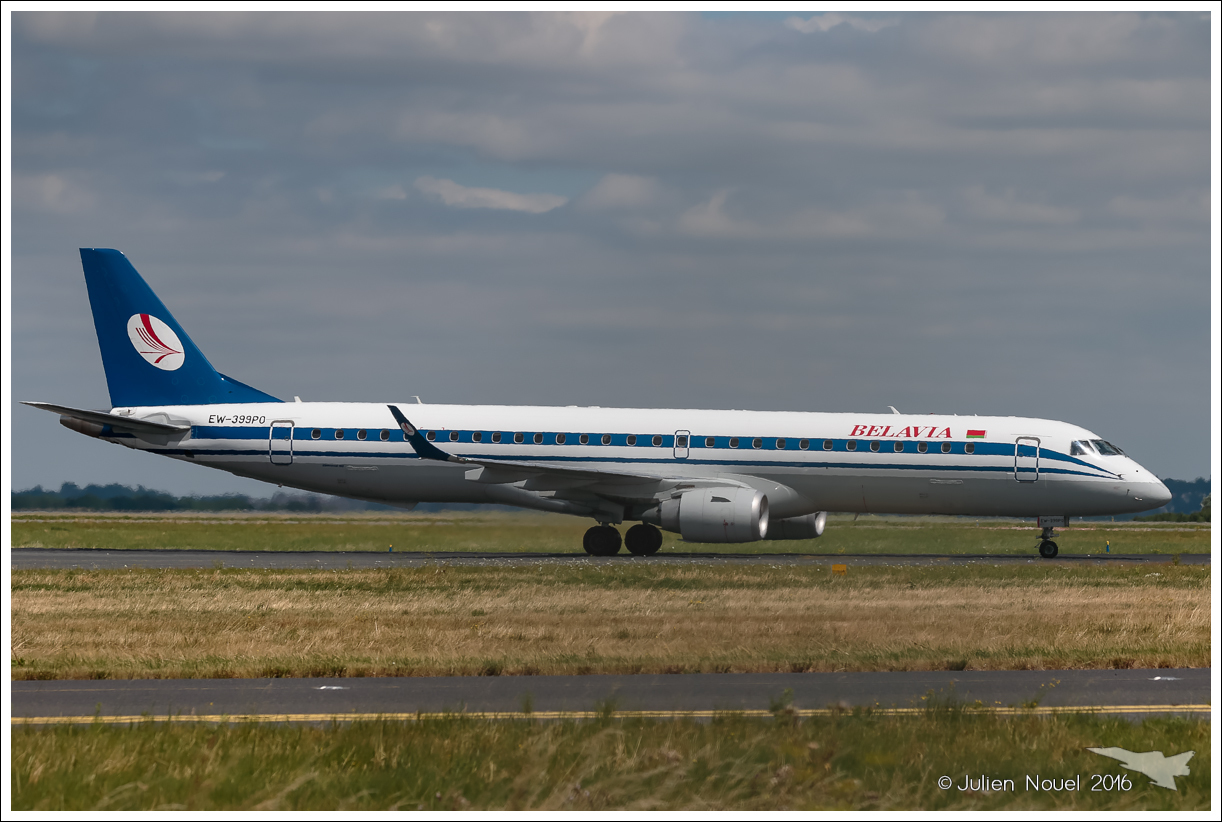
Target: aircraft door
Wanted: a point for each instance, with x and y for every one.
(1027, 459)
(280, 442)
(682, 439)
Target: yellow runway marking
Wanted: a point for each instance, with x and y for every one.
(490, 715)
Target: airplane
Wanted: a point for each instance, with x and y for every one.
(710, 476)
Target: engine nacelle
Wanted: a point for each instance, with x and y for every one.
(728, 514)
(807, 527)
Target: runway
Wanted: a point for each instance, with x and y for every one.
(90, 558)
(1133, 693)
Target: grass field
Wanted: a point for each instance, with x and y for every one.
(618, 618)
(498, 532)
(852, 761)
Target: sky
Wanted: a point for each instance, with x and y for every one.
(971, 213)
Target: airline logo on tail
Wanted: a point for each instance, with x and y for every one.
(155, 341)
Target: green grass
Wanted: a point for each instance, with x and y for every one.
(851, 761)
(509, 532)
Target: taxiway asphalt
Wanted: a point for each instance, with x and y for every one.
(1132, 693)
(92, 558)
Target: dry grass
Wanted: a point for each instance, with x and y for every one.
(608, 619)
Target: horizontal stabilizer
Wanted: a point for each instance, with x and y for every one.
(132, 425)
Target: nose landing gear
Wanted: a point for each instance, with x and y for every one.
(1048, 548)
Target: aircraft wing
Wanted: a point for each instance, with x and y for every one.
(546, 476)
(132, 425)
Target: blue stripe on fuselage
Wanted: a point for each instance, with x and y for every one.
(304, 434)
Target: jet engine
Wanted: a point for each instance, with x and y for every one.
(807, 527)
(727, 514)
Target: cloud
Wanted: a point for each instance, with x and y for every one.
(710, 220)
(831, 19)
(1191, 207)
(1008, 208)
(188, 178)
(621, 191)
(897, 214)
(394, 192)
(459, 196)
(54, 193)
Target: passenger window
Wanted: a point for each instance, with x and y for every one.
(922, 447)
(680, 441)
(780, 444)
(733, 442)
(657, 440)
(606, 440)
(430, 435)
(339, 433)
(757, 443)
(518, 437)
(316, 433)
(710, 442)
(496, 436)
(632, 439)
(827, 445)
(584, 439)
(538, 439)
(384, 436)
(560, 438)
(360, 435)
(453, 436)
(970, 448)
(804, 444)
(851, 445)
(477, 437)
(946, 448)
(899, 446)
(874, 446)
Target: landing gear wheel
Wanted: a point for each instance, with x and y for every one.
(643, 540)
(1048, 549)
(601, 541)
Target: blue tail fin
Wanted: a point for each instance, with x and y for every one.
(149, 359)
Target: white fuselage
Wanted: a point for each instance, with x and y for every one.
(804, 462)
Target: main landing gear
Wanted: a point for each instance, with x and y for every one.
(604, 541)
(1048, 548)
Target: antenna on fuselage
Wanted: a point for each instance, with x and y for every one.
(893, 411)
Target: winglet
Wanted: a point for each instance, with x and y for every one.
(423, 448)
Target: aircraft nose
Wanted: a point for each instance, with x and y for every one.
(1158, 495)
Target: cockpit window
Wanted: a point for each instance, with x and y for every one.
(1079, 448)
(1107, 449)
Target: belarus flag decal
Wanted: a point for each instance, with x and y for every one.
(975, 434)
